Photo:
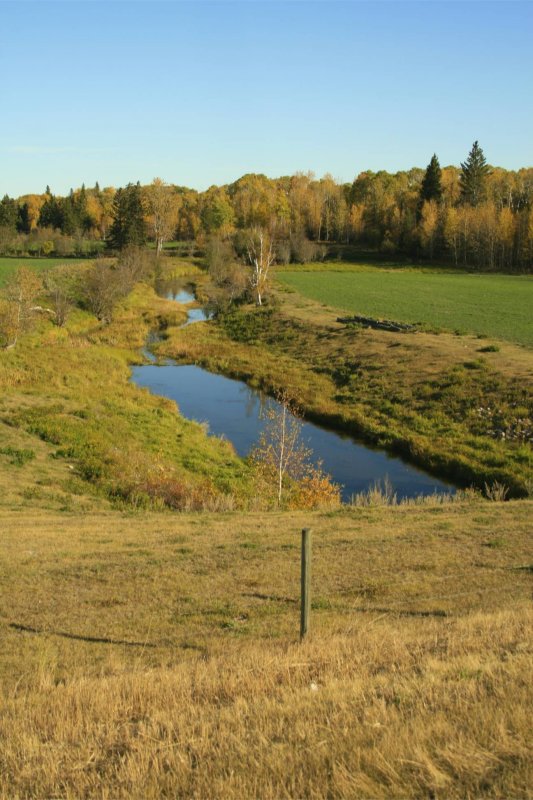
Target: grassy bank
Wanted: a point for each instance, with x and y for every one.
(156, 656)
(490, 305)
(66, 398)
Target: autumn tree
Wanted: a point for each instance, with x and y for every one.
(30, 205)
(284, 463)
(162, 205)
(452, 232)
(261, 256)
(18, 305)
(254, 199)
(429, 226)
(103, 288)
(62, 285)
(227, 273)
(217, 213)
(134, 264)
(475, 172)
(105, 199)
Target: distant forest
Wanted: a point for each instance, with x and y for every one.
(474, 216)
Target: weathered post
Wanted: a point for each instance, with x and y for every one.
(305, 582)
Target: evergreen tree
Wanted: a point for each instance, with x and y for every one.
(128, 226)
(80, 205)
(475, 171)
(8, 213)
(431, 187)
(69, 217)
(23, 221)
(51, 215)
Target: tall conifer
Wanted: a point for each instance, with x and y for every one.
(475, 171)
(128, 218)
(431, 187)
(8, 212)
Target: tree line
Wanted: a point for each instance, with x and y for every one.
(473, 216)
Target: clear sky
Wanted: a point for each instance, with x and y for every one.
(203, 92)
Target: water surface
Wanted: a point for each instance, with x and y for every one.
(234, 410)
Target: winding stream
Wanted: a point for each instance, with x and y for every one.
(234, 410)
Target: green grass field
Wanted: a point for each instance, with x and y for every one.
(10, 265)
(489, 305)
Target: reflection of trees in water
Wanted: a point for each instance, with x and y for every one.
(257, 403)
(253, 400)
(173, 288)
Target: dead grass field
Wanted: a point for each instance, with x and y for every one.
(156, 655)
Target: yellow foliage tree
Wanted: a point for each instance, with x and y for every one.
(163, 206)
(429, 225)
(284, 463)
(18, 309)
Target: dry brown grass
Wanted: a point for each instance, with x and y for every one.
(381, 712)
(157, 656)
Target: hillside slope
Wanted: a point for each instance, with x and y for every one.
(158, 656)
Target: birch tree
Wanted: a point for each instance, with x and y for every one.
(280, 453)
(285, 464)
(261, 256)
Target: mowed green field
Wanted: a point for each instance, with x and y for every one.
(499, 306)
(10, 265)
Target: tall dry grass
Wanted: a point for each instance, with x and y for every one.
(155, 655)
(385, 709)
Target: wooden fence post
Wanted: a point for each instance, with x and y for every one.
(305, 583)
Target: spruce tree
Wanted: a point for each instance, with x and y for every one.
(51, 214)
(431, 187)
(475, 171)
(23, 222)
(69, 221)
(80, 205)
(8, 212)
(128, 218)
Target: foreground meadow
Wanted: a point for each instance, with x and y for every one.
(156, 655)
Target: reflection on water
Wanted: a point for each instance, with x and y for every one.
(174, 290)
(234, 410)
(180, 295)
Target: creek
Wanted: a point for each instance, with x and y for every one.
(235, 411)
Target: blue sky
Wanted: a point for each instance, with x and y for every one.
(203, 92)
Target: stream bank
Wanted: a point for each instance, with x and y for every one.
(234, 410)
